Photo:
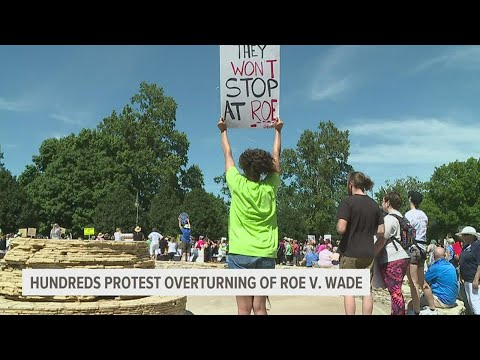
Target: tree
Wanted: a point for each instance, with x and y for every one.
(453, 200)
(164, 211)
(116, 209)
(192, 178)
(208, 214)
(314, 177)
(138, 150)
(402, 187)
(225, 191)
(16, 211)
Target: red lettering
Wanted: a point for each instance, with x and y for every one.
(267, 110)
(273, 109)
(245, 64)
(237, 69)
(254, 112)
(272, 75)
(253, 68)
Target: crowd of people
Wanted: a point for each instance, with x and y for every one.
(371, 237)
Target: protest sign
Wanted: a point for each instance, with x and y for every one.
(88, 231)
(250, 85)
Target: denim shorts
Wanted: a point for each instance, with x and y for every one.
(236, 261)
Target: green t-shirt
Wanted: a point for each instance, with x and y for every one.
(252, 228)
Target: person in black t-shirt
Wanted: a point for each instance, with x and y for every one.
(138, 234)
(359, 218)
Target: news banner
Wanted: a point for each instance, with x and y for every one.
(195, 282)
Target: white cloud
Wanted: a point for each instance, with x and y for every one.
(331, 90)
(13, 105)
(461, 57)
(9, 146)
(332, 77)
(77, 119)
(413, 141)
(57, 135)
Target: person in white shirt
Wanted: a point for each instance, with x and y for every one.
(325, 257)
(155, 237)
(172, 249)
(393, 260)
(418, 252)
(118, 234)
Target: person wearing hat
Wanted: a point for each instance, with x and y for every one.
(100, 236)
(253, 228)
(138, 234)
(56, 232)
(470, 266)
(418, 252)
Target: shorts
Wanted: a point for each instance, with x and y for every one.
(357, 263)
(438, 303)
(185, 247)
(236, 261)
(417, 256)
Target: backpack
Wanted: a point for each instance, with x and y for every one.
(407, 233)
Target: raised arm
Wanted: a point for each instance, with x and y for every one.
(277, 144)
(227, 150)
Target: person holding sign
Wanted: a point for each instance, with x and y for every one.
(253, 230)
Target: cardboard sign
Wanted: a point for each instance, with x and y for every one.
(88, 231)
(250, 85)
(32, 232)
(23, 232)
(311, 237)
(327, 237)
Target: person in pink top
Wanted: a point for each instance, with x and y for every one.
(200, 243)
(325, 257)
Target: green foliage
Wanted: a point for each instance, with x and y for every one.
(225, 191)
(453, 199)
(192, 178)
(16, 211)
(402, 187)
(116, 209)
(290, 224)
(74, 180)
(208, 214)
(164, 211)
(313, 178)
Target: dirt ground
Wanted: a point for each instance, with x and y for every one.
(280, 305)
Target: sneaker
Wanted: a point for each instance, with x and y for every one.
(428, 311)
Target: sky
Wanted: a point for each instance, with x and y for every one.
(408, 109)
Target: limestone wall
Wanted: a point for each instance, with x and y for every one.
(61, 254)
(40, 254)
(151, 305)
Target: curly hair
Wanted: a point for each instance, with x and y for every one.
(255, 162)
